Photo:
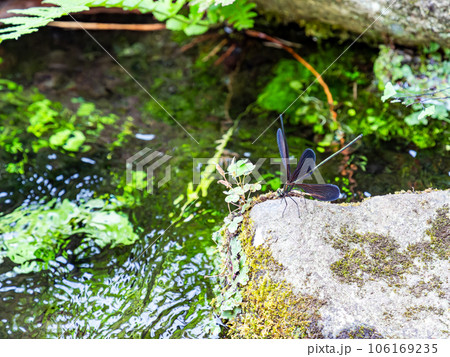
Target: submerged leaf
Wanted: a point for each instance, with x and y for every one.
(33, 237)
(75, 141)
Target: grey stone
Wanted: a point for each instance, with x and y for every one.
(406, 22)
(381, 264)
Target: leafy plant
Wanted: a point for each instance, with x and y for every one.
(34, 237)
(419, 82)
(359, 111)
(288, 83)
(30, 122)
(207, 177)
(194, 19)
(237, 13)
(235, 272)
(419, 101)
(239, 171)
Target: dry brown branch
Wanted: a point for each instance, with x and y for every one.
(77, 25)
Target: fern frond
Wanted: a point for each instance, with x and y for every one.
(33, 19)
(141, 5)
(239, 14)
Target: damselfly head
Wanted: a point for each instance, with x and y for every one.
(280, 192)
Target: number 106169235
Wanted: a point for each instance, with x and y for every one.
(403, 348)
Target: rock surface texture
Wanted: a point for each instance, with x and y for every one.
(380, 265)
(406, 22)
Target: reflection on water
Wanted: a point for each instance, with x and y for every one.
(157, 288)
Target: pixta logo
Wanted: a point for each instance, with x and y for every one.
(148, 161)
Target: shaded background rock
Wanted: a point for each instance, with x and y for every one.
(405, 22)
(381, 266)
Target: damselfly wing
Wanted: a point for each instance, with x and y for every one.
(305, 168)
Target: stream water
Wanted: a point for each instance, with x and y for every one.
(157, 287)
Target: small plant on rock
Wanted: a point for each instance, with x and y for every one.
(234, 269)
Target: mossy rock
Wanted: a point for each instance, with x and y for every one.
(406, 22)
(375, 269)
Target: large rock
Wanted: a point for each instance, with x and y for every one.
(406, 22)
(381, 265)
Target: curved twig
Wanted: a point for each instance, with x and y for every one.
(72, 25)
(310, 68)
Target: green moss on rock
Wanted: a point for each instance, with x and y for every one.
(422, 288)
(368, 256)
(413, 312)
(360, 333)
(269, 308)
(372, 256)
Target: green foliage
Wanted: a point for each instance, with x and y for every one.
(233, 225)
(193, 194)
(364, 113)
(239, 172)
(229, 301)
(33, 237)
(284, 87)
(386, 124)
(389, 92)
(420, 83)
(239, 14)
(418, 73)
(34, 18)
(236, 269)
(289, 82)
(30, 122)
(193, 18)
(420, 102)
(131, 193)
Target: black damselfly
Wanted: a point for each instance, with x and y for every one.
(305, 167)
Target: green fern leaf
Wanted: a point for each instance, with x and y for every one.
(33, 19)
(239, 14)
(36, 17)
(141, 5)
